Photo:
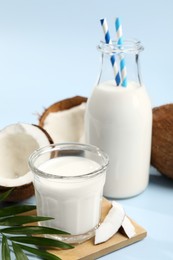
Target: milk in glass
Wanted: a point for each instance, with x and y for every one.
(68, 181)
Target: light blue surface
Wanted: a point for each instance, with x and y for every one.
(48, 52)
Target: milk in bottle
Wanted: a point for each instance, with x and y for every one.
(119, 121)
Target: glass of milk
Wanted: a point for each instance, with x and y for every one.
(68, 181)
(119, 121)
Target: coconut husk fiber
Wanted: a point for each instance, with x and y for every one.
(162, 140)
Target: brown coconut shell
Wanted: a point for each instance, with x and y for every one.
(162, 140)
(25, 191)
(60, 106)
(19, 193)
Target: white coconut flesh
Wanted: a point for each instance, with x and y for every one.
(66, 125)
(111, 223)
(128, 227)
(17, 142)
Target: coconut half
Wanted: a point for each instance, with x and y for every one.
(17, 142)
(64, 120)
(162, 140)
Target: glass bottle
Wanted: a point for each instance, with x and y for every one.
(119, 121)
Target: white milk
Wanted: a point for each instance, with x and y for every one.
(119, 121)
(75, 203)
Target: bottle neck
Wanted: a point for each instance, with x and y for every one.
(126, 67)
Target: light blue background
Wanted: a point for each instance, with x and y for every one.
(48, 50)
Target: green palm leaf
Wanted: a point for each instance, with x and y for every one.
(20, 220)
(18, 252)
(43, 254)
(5, 249)
(4, 195)
(9, 217)
(31, 230)
(43, 241)
(16, 209)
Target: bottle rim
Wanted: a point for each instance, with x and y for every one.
(129, 46)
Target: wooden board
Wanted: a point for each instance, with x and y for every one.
(89, 251)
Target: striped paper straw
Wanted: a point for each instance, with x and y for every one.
(112, 58)
(123, 70)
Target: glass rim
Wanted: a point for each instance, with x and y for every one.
(129, 46)
(67, 146)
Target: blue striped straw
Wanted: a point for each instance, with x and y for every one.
(112, 58)
(123, 70)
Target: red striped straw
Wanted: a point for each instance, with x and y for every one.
(123, 70)
(112, 58)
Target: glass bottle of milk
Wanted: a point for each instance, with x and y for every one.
(119, 121)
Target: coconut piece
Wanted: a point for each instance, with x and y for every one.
(162, 140)
(128, 227)
(17, 142)
(111, 223)
(64, 120)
